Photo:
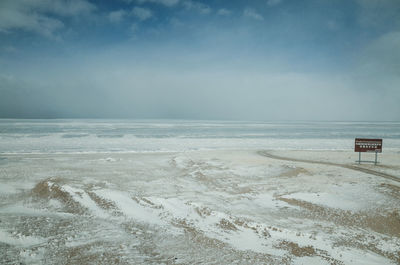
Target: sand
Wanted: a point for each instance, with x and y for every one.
(200, 207)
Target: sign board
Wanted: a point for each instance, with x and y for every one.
(368, 145)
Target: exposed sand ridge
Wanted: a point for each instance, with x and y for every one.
(200, 207)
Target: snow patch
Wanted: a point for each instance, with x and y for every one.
(20, 240)
(346, 197)
(130, 207)
(310, 261)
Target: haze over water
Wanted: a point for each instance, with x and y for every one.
(197, 59)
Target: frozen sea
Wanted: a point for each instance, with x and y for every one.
(197, 192)
(66, 136)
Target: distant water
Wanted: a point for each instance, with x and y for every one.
(69, 135)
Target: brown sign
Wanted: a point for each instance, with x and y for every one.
(368, 145)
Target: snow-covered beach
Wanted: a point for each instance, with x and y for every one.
(196, 206)
(193, 132)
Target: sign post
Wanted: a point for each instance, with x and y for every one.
(368, 145)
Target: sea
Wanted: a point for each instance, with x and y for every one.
(100, 135)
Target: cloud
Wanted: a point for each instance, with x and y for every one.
(134, 27)
(121, 84)
(102, 88)
(67, 8)
(376, 13)
(9, 49)
(163, 2)
(224, 12)
(273, 2)
(382, 56)
(205, 67)
(333, 25)
(37, 23)
(117, 16)
(142, 13)
(251, 13)
(40, 16)
(198, 7)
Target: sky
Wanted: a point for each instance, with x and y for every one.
(190, 59)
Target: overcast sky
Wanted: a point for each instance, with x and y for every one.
(183, 59)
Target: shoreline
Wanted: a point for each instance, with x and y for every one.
(198, 206)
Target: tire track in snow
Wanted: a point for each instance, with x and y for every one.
(352, 167)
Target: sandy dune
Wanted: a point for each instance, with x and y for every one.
(199, 207)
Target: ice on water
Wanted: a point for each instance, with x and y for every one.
(36, 136)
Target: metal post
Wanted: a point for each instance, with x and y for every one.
(359, 157)
(376, 157)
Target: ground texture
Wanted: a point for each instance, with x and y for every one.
(199, 207)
